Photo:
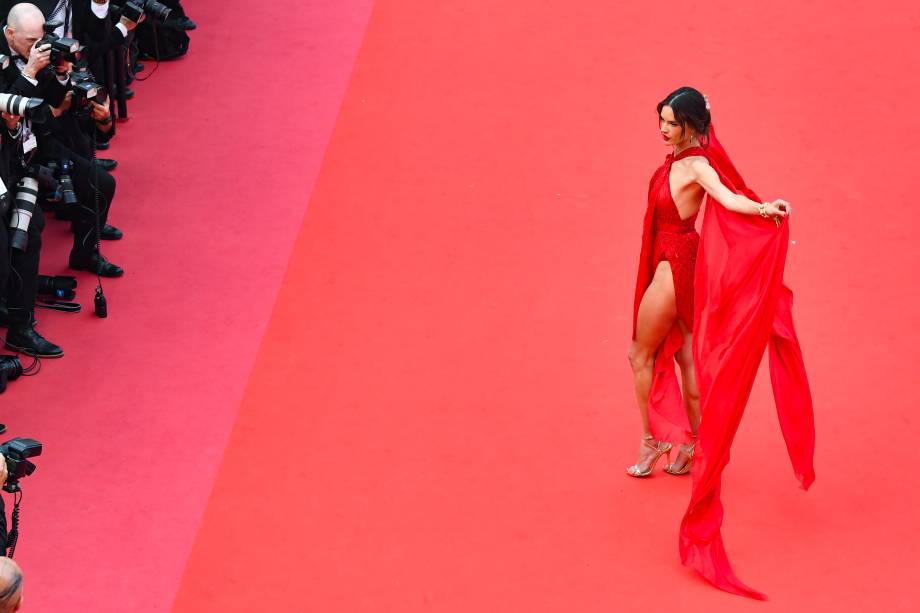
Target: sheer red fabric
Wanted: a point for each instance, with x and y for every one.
(741, 307)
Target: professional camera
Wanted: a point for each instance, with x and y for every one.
(85, 90)
(21, 105)
(60, 287)
(54, 182)
(23, 209)
(16, 451)
(62, 49)
(10, 370)
(60, 183)
(135, 9)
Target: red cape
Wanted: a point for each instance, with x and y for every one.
(740, 307)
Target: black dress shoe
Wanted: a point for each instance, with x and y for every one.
(95, 263)
(188, 24)
(102, 145)
(111, 233)
(107, 164)
(25, 339)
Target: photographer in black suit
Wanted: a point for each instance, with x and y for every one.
(29, 74)
(20, 268)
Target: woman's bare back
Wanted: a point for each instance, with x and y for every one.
(686, 192)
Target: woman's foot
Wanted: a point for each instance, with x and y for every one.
(650, 452)
(684, 461)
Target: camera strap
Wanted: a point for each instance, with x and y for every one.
(58, 305)
(63, 6)
(27, 136)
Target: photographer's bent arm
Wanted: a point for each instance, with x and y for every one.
(101, 34)
(25, 84)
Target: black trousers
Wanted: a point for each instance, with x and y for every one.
(87, 185)
(94, 188)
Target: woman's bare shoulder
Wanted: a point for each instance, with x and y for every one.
(697, 163)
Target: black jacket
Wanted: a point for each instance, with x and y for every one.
(96, 34)
(48, 87)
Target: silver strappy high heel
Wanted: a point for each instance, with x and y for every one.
(659, 447)
(687, 449)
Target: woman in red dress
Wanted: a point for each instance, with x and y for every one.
(663, 323)
(714, 302)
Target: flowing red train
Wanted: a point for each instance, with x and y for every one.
(740, 307)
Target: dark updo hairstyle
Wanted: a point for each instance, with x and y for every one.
(689, 107)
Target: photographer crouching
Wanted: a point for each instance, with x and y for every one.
(20, 249)
(65, 139)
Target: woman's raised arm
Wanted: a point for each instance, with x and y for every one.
(708, 178)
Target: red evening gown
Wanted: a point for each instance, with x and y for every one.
(740, 307)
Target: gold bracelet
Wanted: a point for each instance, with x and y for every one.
(762, 209)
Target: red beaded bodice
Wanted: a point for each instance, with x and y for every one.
(676, 240)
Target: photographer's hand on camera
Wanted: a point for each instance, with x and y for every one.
(39, 58)
(130, 25)
(12, 121)
(102, 115)
(57, 111)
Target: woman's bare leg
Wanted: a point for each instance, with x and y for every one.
(657, 312)
(690, 391)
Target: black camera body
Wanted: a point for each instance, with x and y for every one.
(10, 370)
(85, 90)
(17, 451)
(61, 287)
(135, 9)
(62, 49)
(55, 183)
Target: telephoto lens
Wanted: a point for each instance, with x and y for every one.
(157, 10)
(68, 196)
(135, 9)
(61, 287)
(23, 209)
(20, 105)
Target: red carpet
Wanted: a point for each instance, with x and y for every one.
(439, 412)
(216, 166)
